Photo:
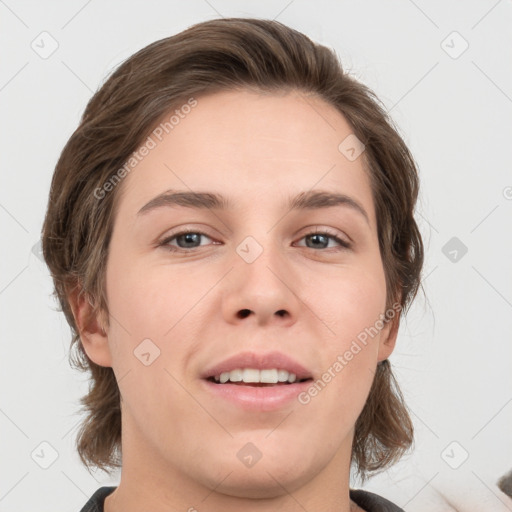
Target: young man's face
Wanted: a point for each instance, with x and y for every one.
(250, 279)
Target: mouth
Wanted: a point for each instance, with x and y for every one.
(257, 382)
(254, 377)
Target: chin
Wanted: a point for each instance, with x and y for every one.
(260, 484)
(269, 477)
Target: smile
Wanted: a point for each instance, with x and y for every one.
(253, 375)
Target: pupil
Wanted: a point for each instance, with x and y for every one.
(189, 237)
(313, 237)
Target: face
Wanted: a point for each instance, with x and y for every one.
(282, 285)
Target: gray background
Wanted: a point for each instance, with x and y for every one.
(453, 107)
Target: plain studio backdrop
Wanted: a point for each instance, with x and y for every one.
(442, 69)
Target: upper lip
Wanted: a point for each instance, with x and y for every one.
(260, 361)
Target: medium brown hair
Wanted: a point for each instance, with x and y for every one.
(222, 55)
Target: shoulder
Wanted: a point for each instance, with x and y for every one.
(372, 502)
(95, 503)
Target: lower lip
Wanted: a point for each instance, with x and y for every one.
(257, 398)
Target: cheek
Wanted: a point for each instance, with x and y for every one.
(155, 310)
(351, 307)
(148, 301)
(148, 335)
(352, 301)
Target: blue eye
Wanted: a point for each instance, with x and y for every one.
(323, 238)
(185, 240)
(192, 240)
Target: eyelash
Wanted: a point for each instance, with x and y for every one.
(165, 242)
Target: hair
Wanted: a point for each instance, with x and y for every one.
(222, 55)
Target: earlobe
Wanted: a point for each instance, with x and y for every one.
(388, 338)
(93, 335)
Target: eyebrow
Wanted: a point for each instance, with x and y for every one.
(315, 199)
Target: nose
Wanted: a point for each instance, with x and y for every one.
(262, 291)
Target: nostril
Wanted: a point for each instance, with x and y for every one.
(244, 313)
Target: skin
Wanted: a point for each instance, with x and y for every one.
(179, 442)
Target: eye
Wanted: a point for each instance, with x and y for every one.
(319, 239)
(190, 239)
(185, 240)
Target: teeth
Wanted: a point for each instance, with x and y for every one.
(251, 375)
(268, 376)
(282, 375)
(235, 375)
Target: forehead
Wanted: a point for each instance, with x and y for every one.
(251, 147)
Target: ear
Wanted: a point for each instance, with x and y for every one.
(388, 336)
(91, 327)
